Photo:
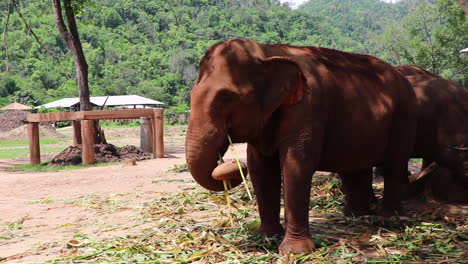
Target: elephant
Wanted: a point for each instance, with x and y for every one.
(442, 131)
(300, 109)
(409, 70)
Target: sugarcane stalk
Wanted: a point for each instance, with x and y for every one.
(240, 167)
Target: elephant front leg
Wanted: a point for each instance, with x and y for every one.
(265, 173)
(297, 180)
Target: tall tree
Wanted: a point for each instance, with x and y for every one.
(72, 38)
(430, 36)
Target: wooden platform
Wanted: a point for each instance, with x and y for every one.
(83, 129)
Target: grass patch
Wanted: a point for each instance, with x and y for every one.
(42, 167)
(177, 168)
(192, 226)
(24, 152)
(25, 142)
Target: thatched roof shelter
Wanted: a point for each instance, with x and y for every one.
(15, 107)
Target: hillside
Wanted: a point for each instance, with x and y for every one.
(152, 48)
(357, 21)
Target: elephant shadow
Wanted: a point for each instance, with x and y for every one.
(415, 235)
(358, 240)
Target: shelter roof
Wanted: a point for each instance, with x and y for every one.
(118, 100)
(15, 106)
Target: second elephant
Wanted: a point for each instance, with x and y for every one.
(442, 130)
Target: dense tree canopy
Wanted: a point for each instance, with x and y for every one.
(152, 47)
(431, 37)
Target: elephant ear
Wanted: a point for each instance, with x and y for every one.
(284, 84)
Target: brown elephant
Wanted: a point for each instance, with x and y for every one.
(442, 131)
(300, 109)
(409, 70)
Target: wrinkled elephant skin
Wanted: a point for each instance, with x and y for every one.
(300, 109)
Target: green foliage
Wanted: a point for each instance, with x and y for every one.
(177, 114)
(106, 124)
(25, 97)
(152, 48)
(352, 23)
(7, 85)
(4, 101)
(431, 37)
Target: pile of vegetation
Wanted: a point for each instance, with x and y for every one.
(192, 226)
(103, 152)
(152, 48)
(11, 120)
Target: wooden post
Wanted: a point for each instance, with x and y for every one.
(158, 132)
(34, 147)
(76, 133)
(87, 135)
(146, 134)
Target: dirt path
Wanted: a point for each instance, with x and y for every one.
(41, 211)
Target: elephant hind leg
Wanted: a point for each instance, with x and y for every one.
(358, 192)
(399, 150)
(394, 190)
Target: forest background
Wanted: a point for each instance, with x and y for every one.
(152, 47)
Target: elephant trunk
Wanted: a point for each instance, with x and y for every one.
(203, 147)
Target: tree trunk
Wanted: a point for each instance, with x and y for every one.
(72, 38)
(73, 41)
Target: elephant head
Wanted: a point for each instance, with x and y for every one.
(236, 91)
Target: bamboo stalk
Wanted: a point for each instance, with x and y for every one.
(228, 200)
(240, 167)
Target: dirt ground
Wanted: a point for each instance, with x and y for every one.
(41, 211)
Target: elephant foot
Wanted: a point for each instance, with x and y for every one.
(296, 246)
(270, 230)
(355, 212)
